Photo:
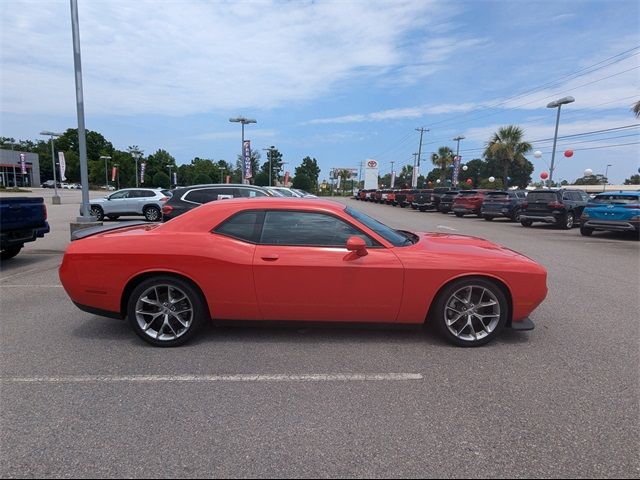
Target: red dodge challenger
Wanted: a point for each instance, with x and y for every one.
(282, 259)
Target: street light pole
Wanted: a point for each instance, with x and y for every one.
(117, 167)
(270, 154)
(106, 171)
(170, 167)
(56, 198)
(605, 180)
(554, 104)
(244, 121)
(136, 156)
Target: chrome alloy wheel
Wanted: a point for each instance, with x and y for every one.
(472, 313)
(164, 312)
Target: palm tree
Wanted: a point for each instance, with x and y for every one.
(636, 108)
(507, 146)
(442, 159)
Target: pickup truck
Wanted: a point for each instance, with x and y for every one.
(22, 220)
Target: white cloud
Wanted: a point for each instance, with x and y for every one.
(180, 58)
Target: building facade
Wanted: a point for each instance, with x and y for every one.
(11, 172)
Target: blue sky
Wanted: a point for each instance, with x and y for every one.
(341, 81)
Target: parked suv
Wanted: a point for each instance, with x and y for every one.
(422, 199)
(446, 200)
(562, 207)
(401, 197)
(188, 198)
(147, 202)
(468, 201)
(503, 204)
(436, 196)
(613, 211)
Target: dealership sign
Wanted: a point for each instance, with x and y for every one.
(371, 174)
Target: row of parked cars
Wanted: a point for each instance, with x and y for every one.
(163, 204)
(563, 207)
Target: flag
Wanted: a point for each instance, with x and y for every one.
(23, 166)
(246, 156)
(63, 165)
(142, 167)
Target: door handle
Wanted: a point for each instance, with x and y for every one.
(270, 258)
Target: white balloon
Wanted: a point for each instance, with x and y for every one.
(492, 179)
(465, 168)
(537, 154)
(588, 172)
(438, 181)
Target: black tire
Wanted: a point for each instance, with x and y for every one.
(586, 231)
(113, 217)
(152, 214)
(10, 252)
(414, 208)
(459, 215)
(194, 297)
(515, 217)
(440, 314)
(526, 223)
(488, 218)
(567, 221)
(422, 209)
(402, 206)
(97, 212)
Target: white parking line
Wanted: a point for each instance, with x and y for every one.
(447, 228)
(311, 377)
(29, 286)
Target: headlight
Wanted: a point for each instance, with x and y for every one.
(636, 218)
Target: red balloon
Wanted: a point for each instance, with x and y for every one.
(544, 175)
(568, 153)
(469, 181)
(430, 182)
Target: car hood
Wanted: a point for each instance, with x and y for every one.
(457, 246)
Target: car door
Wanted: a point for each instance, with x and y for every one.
(303, 271)
(142, 198)
(118, 203)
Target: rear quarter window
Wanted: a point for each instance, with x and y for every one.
(244, 226)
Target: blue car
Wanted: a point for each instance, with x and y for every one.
(612, 211)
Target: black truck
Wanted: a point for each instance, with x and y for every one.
(22, 220)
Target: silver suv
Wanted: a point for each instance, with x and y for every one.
(147, 202)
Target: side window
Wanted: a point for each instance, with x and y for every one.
(205, 195)
(251, 193)
(585, 197)
(576, 196)
(311, 229)
(566, 195)
(243, 226)
(146, 194)
(120, 195)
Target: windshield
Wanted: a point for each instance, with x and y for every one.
(613, 199)
(395, 237)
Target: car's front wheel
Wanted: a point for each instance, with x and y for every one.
(526, 223)
(152, 214)
(165, 311)
(586, 231)
(459, 215)
(488, 218)
(566, 222)
(97, 212)
(470, 312)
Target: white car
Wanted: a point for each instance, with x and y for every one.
(147, 202)
(303, 194)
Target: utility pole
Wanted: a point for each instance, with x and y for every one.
(360, 174)
(416, 171)
(413, 173)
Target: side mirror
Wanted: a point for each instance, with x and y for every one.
(357, 245)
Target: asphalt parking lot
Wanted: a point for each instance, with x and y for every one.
(82, 396)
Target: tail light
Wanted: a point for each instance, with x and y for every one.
(164, 199)
(525, 204)
(167, 209)
(555, 205)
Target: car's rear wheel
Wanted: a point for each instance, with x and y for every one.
(152, 214)
(566, 223)
(516, 216)
(10, 252)
(97, 212)
(488, 218)
(586, 231)
(459, 214)
(526, 223)
(165, 311)
(471, 311)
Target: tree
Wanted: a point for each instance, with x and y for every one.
(597, 179)
(274, 158)
(442, 159)
(202, 179)
(406, 174)
(161, 180)
(633, 179)
(303, 182)
(507, 146)
(636, 109)
(309, 167)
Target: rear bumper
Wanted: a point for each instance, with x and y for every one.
(98, 311)
(459, 209)
(539, 218)
(22, 236)
(612, 225)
